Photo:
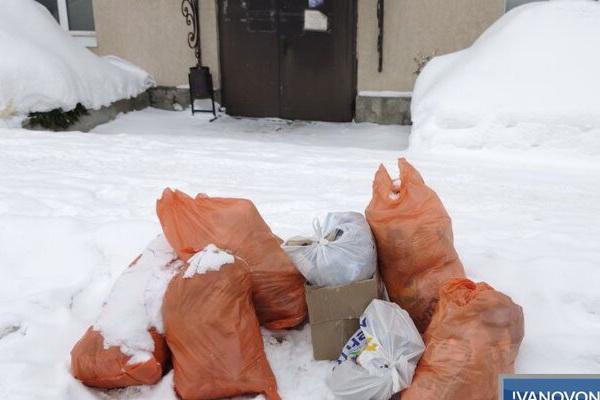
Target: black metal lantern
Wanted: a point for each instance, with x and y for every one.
(200, 78)
(201, 87)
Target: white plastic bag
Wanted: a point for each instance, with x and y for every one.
(341, 252)
(380, 359)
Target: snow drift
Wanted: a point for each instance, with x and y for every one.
(530, 81)
(43, 68)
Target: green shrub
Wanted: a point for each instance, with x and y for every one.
(57, 119)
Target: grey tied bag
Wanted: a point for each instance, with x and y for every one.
(342, 251)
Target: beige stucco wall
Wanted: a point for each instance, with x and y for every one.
(153, 35)
(209, 34)
(414, 29)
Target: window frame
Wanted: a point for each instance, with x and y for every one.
(506, 9)
(86, 38)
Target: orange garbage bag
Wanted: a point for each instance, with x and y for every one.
(212, 331)
(415, 244)
(124, 347)
(109, 368)
(473, 337)
(235, 225)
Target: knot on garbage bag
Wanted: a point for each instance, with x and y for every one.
(402, 380)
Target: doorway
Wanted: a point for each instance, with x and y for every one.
(293, 59)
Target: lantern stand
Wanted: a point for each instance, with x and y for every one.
(200, 78)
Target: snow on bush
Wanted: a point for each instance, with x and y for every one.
(530, 81)
(42, 67)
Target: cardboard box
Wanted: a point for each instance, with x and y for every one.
(334, 313)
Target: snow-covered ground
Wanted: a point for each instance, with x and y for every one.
(76, 208)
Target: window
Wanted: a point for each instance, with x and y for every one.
(75, 16)
(510, 4)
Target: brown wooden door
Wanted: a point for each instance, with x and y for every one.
(249, 57)
(272, 66)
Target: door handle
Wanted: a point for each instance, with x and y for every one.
(284, 45)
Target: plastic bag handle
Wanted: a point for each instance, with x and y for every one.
(319, 232)
(317, 228)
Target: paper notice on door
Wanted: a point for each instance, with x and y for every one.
(315, 20)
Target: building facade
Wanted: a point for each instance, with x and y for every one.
(289, 58)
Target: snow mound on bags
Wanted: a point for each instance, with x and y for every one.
(134, 304)
(210, 259)
(42, 67)
(530, 81)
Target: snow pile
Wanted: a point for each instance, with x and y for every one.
(134, 304)
(210, 259)
(530, 81)
(43, 68)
